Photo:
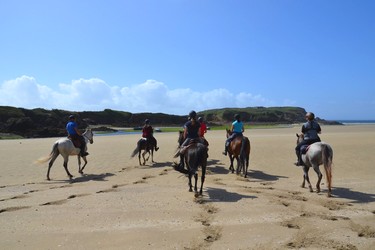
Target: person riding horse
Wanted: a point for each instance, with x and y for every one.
(148, 133)
(75, 135)
(310, 131)
(192, 133)
(237, 129)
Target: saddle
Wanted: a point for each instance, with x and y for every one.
(304, 149)
(76, 142)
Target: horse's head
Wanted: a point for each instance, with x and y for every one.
(89, 135)
(299, 137)
(229, 132)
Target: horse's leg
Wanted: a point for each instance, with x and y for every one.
(196, 182)
(84, 165)
(152, 155)
(317, 171)
(66, 166)
(306, 177)
(231, 168)
(55, 154)
(79, 163)
(143, 156)
(139, 157)
(190, 184)
(238, 168)
(203, 177)
(148, 156)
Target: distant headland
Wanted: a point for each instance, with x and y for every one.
(40, 123)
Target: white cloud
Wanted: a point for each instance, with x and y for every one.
(95, 94)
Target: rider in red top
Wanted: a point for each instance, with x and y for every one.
(147, 132)
(203, 128)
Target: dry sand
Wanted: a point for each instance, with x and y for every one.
(118, 204)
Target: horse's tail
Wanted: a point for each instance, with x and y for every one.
(47, 158)
(137, 149)
(327, 156)
(245, 151)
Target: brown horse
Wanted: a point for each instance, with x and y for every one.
(148, 147)
(239, 149)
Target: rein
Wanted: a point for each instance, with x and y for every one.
(84, 135)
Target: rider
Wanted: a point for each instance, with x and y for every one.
(203, 128)
(310, 131)
(148, 133)
(191, 133)
(75, 134)
(237, 129)
(191, 129)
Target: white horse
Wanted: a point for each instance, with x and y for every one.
(317, 154)
(65, 147)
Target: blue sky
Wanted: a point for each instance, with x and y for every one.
(172, 56)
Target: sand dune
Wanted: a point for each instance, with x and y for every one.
(118, 204)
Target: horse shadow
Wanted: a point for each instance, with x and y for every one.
(91, 177)
(222, 195)
(354, 196)
(218, 169)
(261, 176)
(156, 165)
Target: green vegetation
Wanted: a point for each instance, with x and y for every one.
(38, 123)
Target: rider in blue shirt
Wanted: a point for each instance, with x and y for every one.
(75, 134)
(237, 129)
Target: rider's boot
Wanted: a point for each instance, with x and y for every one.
(226, 149)
(299, 161)
(156, 148)
(83, 152)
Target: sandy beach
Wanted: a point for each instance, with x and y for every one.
(117, 204)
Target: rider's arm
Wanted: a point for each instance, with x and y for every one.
(185, 132)
(77, 131)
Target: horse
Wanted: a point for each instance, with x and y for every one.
(194, 155)
(315, 155)
(148, 147)
(65, 147)
(239, 149)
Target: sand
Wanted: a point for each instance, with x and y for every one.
(117, 204)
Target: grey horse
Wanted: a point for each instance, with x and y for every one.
(65, 147)
(317, 154)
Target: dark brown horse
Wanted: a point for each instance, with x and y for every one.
(194, 155)
(147, 146)
(239, 149)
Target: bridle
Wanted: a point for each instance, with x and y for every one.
(89, 139)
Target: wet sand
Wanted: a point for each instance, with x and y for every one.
(117, 204)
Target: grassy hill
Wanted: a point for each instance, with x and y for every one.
(36, 123)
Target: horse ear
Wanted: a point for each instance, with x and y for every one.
(297, 135)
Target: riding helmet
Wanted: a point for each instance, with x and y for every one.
(310, 116)
(147, 121)
(200, 119)
(237, 116)
(71, 117)
(192, 114)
